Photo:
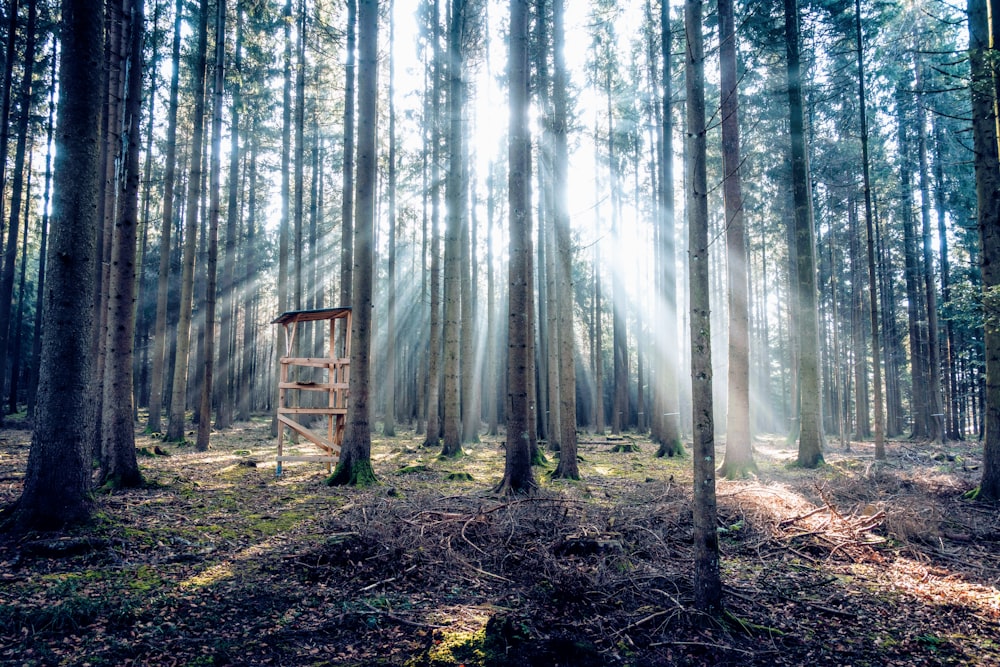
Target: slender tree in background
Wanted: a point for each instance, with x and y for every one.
(935, 416)
(36, 343)
(347, 173)
(809, 394)
(433, 436)
(119, 467)
(389, 420)
(707, 581)
(918, 370)
(57, 482)
(17, 178)
(355, 467)
(668, 401)
(456, 194)
(166, 225)
(870, 242)
(284, 224)
(738, 460)
(517, 476)
(567, 467)
(8, 75)
(227, 321)
(982, 51)
(214, 194)
(249, 296)
(179, 386)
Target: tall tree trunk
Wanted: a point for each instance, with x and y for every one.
(953, 431)
(668, 410)
(982, 52)
(119, 467)
(163, 280)
(245, 404)
(227, 323)
(175, 426)
(214, 193)
(5, 92)
(299, 176)
(597, 348)
(619, 334)
(707, 581)
(870, 244)
(455, 195)
(810, 412)
(918, 372)
(862, 421)
(739, 453)
(492, 379)
(17, 176)
(563, 263)
(347, 174)
(433, 436)
(36, 343)
(18, 321)
(389, 419)
(935, 417)
(111, 155)
(140, 361)
(57, 482)
(518, 477)
(283, 228)
(355, 466)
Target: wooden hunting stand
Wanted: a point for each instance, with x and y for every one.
(292, 386)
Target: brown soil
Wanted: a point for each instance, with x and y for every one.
(218, 562)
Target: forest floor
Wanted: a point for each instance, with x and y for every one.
(218, 562)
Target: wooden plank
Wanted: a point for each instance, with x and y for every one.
(312, 411)
(318, 362)
(306, 386)
(317, 440)
(311, 459)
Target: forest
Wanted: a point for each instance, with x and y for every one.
(475, 332)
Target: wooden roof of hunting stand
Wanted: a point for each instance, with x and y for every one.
(329, 377)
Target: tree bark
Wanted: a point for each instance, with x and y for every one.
(227, 324)
(119, 467)
(810, 402)
(567, 468)
(389, 418)
(668, 411)
(870, 244)
(17, 178)
(175, 426)
(433, 379)
(214, 193)
(707, 580)
(163, 281)
(455, 194)
(738, 459)
(987, 166)
(355, 466)
(935, 416)
(518, 476)
(58, 477)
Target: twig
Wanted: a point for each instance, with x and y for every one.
(785, 522)
(704, 645)
(466, 525)
(818, 607)
(404, 621)
(656, 614)
(376, 584)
